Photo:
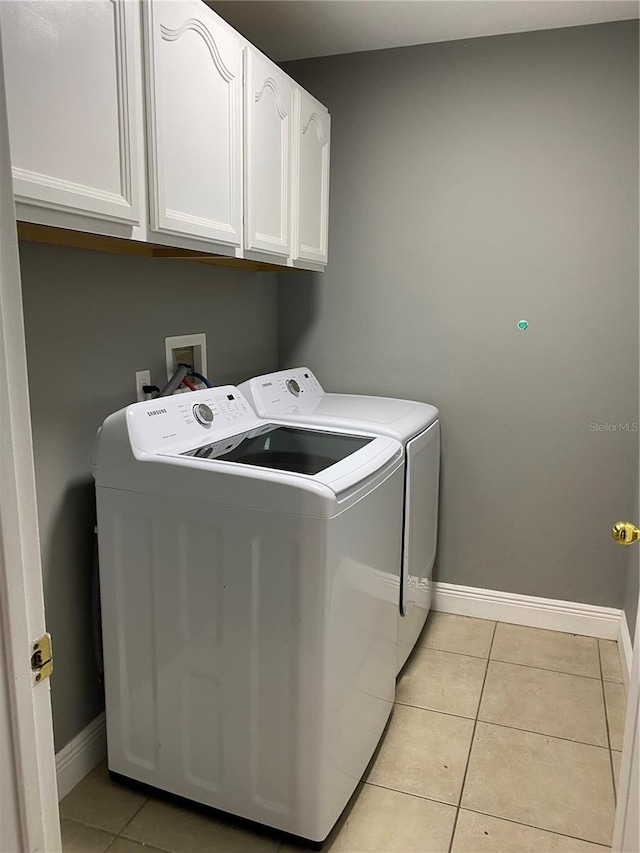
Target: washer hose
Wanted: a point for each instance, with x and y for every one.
(175, 382)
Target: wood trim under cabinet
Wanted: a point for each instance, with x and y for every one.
(32, 233)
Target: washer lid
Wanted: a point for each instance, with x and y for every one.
(376, 410)
(283, 448)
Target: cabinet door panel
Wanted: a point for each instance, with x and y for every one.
(71, 73)
(268, 98)
(311, 175)
(194, 70)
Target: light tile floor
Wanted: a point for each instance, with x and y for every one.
(503, 740)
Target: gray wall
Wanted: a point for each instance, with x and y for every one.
(475, 183)
(92, 320)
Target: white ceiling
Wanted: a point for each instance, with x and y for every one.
(296, 29)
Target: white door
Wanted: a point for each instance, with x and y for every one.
(311, 178)
(70, 73)
(28, 795)
(268, 110)
(626, 835)
(194, 88)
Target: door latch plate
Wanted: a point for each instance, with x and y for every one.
(42, 658)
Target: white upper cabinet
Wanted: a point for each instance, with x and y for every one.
(194, 97)
(268, 129)
(154, 120)
(311, 179)
(71, 78)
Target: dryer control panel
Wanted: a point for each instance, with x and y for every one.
(294, 390)
(167, 422)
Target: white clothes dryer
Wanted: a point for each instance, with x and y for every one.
(249, 578)
(297, 396)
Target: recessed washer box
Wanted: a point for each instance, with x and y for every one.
(186, 349)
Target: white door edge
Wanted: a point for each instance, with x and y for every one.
(626, 835)
(626, 832)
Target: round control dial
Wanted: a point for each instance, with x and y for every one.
(293, 387)
(203, 414)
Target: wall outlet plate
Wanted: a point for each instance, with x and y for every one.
(189, 349)
(143, 377)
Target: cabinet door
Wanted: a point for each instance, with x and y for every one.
(71, 74)
(194, 87)
(269, 101)
(311, 178)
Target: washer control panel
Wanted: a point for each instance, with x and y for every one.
(292, 390)
(156, 425)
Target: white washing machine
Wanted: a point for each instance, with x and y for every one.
(297, 396)
(249, 577)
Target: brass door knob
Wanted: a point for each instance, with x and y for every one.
(625, 533)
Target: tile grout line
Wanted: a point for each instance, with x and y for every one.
(545, 735)
(451, 652)
(473, 737)
(434, 710)
(91, 826)
(500, 725)
(606, 717)
(115, 835)
(538, 828)
(141, 844)
(137, 812)
(411, 794)
(525, 665)
(546, 669)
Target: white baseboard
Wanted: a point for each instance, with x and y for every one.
(81, 755)
(567, 616)
(625, 647)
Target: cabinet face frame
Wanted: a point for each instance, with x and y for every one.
(54, 193)
(162, 219)
(263, 79)
(311, 117)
